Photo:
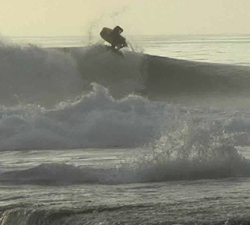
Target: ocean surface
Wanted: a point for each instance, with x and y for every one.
(158, 133)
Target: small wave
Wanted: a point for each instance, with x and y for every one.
(187, 153)
(48, 174)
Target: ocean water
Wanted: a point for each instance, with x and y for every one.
(158, 133)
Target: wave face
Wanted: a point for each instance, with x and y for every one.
(46, 77)
(160, 77)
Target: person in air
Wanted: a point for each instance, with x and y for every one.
(113, 36)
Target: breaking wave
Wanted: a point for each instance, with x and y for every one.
(94, 97)
(93, 120)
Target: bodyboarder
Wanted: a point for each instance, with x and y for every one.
(114, 37)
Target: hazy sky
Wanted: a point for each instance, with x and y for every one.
(79, 17)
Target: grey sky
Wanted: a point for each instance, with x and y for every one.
(78, 17)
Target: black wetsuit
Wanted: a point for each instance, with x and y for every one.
(116, 37)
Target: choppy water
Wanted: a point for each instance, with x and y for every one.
(89, 136)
